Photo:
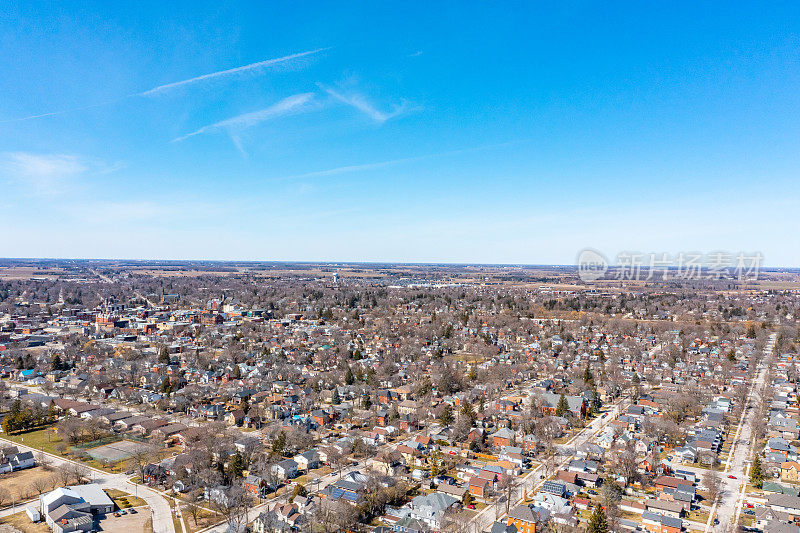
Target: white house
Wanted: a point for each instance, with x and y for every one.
(307, 460)
(12, 460)
(430, 508)
(68, 509)
(285, 469)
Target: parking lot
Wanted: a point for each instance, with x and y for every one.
(139, 521)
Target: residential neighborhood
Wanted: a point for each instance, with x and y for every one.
(324, 404)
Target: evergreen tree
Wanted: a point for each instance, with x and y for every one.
(446, 416)
(596, 403)
(349, 378)
(468, 411)
(236, 465)
(163, 356)
(448, 331)
(56, 363)
(563, 406)
(20, 419)
(587, 375)
(9, 424)
(598, 522)
(434, 465)
(299, 490)
(38, 416)
(335, 399)
(279, 444)
(467, 499)
(756, 473)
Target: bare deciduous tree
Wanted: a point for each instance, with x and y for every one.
(64, 473)
(506, 487)
(712, 482)
(40, 485)
(78, 472)
(140, 458)
(5, 496)
(232, 505)
(43, 461)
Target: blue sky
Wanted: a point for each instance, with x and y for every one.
(454, 132)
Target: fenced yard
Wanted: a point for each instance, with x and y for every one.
(115, 451)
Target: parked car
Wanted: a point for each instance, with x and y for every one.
(731, 476)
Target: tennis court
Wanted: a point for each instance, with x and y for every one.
(116, 451)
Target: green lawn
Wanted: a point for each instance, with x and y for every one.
(48, 441)
(41, 439)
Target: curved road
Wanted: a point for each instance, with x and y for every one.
(162, 514)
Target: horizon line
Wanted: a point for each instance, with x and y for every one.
(333, 262)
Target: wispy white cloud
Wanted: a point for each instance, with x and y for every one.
(63, 111)
(161, 89)
(293, 104)
(231, 72)
(382, 164)
(44, 173)
(49, 174)
(362, 103)
(358, 168)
